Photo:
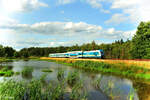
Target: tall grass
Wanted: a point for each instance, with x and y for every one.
(36, 90)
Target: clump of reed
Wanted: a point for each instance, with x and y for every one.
(77, 92)
(60, 75)
(17, 73)
(47, 70)
(131, 95)
(26, 71)
(43, 77)
(73, 78)
(97, 83)
(6, 71)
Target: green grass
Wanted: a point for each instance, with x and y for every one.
(47, 70)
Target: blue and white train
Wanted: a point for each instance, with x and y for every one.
(79, 54)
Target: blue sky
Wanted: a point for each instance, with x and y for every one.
(50, 23)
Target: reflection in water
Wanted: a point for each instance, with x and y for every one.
(97, 86)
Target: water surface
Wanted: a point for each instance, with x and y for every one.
(118, 88)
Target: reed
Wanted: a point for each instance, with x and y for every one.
(47, 70)
(27, 70)
(36, 90)
(60, 75)
(73, 78)
(6, 71)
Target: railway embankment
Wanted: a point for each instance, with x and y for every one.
(134, 69)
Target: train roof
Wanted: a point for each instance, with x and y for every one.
(73, 51)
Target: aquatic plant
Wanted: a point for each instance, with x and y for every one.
(6, 68)
(6, 71)
(27, 70)
(12, 89)
(47, 70)
(77, 92)
(36, 90)
(58, 92)
(97, 83)
(108, 90)
(73, 78)
(131, 95)
(60, 75)
(16, 73)
(43, 77)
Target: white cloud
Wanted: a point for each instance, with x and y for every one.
(21, 5)
(66, 30)
(97, 4)
(134, 10)
(7, 20)
(62, 2)
(129, 34)
(94, 3)
(62, 12)
(117, 19)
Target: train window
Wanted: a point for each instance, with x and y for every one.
(84, 53)
(80, 54)
(95, 53)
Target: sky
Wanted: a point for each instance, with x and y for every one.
(51, 23)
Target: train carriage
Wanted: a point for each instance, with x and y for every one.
(93, 54)
(80, 54)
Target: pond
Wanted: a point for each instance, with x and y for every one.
(109, 85)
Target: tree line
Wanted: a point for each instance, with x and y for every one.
(137, 48)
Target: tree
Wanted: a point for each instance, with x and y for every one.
(141, 42)
(17, 54)
(9, 51)
(2, 53)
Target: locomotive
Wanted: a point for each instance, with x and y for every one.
(79, 54)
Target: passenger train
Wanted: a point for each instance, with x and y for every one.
(79, 54)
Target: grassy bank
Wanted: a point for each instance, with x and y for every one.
(5, 60)
(121, 69)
